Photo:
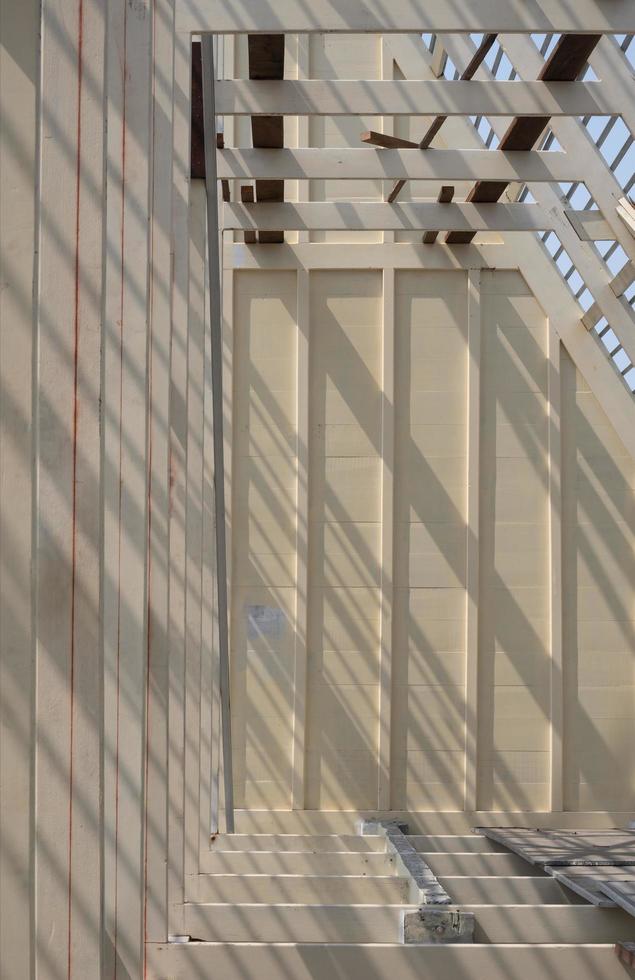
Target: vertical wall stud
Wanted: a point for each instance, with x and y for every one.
(165, 542)
(211, 746)
(303, 134)
(302, 542)
(387, 533)
(555, 575)
(194, 529)
(218, 412)
(472, 577)
(125, 490)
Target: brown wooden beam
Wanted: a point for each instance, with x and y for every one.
(247, 197)
(266, 62)
(445, 197)
(387, 142)
(197, 128)
(476, 61)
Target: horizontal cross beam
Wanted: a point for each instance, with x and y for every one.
(371, 164)
(377, 216)
(404, 16)
(329, 97)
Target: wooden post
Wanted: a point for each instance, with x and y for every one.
(217, 402)
(387, 532)
(302, 543)
(555, 576)
(472, 577)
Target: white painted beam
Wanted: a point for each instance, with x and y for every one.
(339, 255)
(369, 216)
(373, 164)
(315, 961)
(404, 16)
(331, 97)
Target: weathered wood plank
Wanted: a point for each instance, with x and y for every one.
(588, 886)
(560, 848)
(622, 893)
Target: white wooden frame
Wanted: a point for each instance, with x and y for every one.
(404, 16)
(328, 97)
(368, 216)
(600, 182)
(309, 163)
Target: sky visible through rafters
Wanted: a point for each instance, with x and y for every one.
(617, 146)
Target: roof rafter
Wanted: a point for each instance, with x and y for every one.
(599, 181)
(564, 64)
(426, 141)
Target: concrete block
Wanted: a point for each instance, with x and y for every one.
(438, 926)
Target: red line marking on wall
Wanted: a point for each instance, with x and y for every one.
(121, 319)
(76, 326)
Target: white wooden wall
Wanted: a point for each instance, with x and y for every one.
(490, 699)
(598, 477)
